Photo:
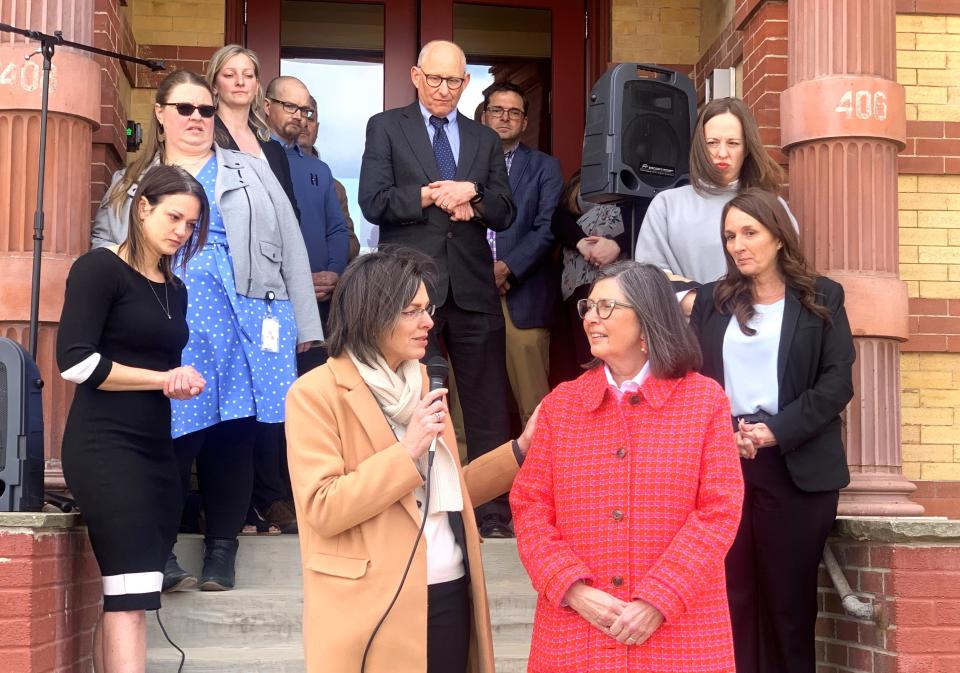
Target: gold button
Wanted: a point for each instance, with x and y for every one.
(617, 515)
(621, 452)
(617, 580)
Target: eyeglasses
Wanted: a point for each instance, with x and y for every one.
(187, 109)
(512, 112)
(415, 313)
(604, 307)
(293, 108)
(434, 81)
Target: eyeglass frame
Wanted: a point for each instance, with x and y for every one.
(426, 78)
(305, 111)
(595, 305)
(498, 111)
(415, 313)
(193, 108)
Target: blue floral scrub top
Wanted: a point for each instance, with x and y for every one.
(225, 338)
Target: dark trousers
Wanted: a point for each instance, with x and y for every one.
(224, 455)
(476, 344)
(772, 568)
(270, 481)
(448, 626)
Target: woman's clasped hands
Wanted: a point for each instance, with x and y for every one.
(751, 437)
(183, 383)
(598, 250)
(630, 623)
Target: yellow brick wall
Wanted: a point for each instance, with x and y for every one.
(193, 23)
(931, 415)
(928, 66)
(656, 31)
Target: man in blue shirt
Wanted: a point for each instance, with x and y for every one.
(325, 232)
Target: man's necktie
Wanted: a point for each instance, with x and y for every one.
(446, 164)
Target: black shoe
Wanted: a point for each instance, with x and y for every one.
(494, 525)
(176, 578)
(219, 560)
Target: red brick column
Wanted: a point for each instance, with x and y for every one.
(843, 122)
(74, 112)
(763, 24)
(49, 594)
(910, 568)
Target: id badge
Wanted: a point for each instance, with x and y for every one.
(270, 335)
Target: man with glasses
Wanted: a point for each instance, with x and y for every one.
(522, 267)
(308, 143)
(286, 108)
(435, 180)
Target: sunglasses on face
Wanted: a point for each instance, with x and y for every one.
(187, 109)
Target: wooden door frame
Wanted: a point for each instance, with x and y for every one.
(406, 29)
(568, 93)
(399, 44)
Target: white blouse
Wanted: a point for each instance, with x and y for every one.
(750, 362)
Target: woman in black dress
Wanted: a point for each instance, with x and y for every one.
(121, 333)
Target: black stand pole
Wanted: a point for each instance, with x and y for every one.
(46, 49)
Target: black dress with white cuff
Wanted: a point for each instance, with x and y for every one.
(118, 457)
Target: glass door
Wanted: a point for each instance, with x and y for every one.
(539, 44)
(337, 50)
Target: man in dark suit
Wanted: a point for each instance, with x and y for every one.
(522, 269)
(434, 180)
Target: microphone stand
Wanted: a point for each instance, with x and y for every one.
(47, 45)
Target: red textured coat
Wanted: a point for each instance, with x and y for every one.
(641, 498)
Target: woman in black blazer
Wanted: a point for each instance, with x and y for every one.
(776, 336)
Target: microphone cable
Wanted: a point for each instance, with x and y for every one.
(183, 655)
(403, 579)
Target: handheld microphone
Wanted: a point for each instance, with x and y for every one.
(437, 369)
(437, 372)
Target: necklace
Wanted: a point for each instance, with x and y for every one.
(166, 295)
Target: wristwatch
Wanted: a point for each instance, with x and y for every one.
(478, 186)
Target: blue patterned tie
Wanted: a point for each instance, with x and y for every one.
(446, 164)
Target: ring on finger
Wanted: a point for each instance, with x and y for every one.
(437, 415)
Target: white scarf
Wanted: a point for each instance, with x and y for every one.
(397, 393)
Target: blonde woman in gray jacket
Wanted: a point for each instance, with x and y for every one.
(251, 307)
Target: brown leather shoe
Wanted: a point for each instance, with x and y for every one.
(282, 514)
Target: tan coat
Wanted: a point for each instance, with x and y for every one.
(353, 485)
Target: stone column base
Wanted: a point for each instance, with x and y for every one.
(878, 494)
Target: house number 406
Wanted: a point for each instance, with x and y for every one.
(864, 105)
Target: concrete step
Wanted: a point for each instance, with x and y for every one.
(511, 657)
(227, 659)
(240, 616)
(256, 628)
(262, 560)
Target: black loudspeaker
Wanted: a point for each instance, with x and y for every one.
(636, 140)
(21, 430)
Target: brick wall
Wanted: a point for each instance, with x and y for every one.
(112, 32)
(194, 23)
(917, 586)
(49, 599)
(928, 66)
(665, 32)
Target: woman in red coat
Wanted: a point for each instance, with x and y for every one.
(630, 495)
